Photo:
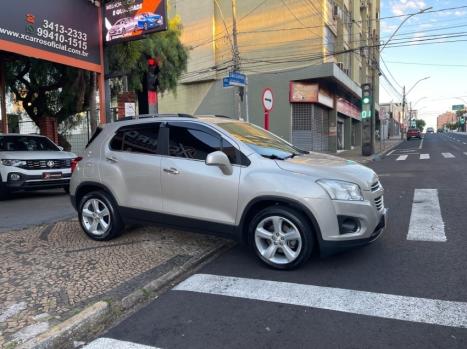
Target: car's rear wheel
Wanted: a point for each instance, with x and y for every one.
(281, 237)
(99, 217)
(3, 191)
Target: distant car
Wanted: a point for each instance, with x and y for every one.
(430, 130)
(440, 130)
(32, 162)
(123, 27)
(149, 20)
(413, 133)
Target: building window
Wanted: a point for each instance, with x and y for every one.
(329, 40)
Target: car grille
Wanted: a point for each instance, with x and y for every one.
(375, 187)
(379, 202)
(46, 164)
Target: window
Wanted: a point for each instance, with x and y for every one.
(329, 40)
(137, 139)
(196, 144)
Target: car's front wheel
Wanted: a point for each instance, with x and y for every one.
(99, 217)
(281, 237)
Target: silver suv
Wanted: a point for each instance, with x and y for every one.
(228, 177)
(32, 162)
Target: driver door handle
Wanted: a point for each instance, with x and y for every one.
(172, 170)
(111, 158)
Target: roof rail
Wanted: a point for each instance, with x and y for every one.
(148, 116)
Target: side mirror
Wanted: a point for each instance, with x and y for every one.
(221, 160)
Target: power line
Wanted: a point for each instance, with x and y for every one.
(430, 64)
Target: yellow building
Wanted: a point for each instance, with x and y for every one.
(313, 54)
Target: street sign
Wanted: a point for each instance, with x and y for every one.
(268, 99)
(226, 83)
(268, 104)
(237, 79)
(458, 107)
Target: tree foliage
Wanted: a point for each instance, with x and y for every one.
(421, 124)
(130, 58)
(46, 88)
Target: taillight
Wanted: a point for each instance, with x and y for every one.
(74, 163)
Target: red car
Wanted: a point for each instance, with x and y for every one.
(414, 133)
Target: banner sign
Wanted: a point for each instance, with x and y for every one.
(132, 19)
(61, 31)
(302, 92)
(348, 109)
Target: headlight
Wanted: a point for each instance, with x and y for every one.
(340, 190)
(16, 163)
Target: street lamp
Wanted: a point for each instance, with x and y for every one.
(402, 23)
(404, 97)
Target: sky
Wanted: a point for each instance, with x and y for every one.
(444, 62)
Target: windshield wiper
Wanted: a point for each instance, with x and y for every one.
(273, 157)
(291, 156)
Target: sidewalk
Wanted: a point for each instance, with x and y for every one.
(51, 273)
(380, 150)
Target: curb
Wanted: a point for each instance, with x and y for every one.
(93, 319)
(380, 155)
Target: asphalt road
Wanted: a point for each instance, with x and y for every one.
(26, 209)
(256, 310)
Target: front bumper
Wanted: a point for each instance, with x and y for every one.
(36, 182)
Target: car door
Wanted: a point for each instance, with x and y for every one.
(191, 188)
(132, 167)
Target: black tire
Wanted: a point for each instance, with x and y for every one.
(3, 192)
(116, 224)
(301, 223)
(66, 188)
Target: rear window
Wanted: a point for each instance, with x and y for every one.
(26, 143)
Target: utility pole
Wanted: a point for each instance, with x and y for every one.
(403, 111)
(236, 59)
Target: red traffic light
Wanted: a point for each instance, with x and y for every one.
(151, 62)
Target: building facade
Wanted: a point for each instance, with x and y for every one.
(445, 119)
(313, 55)
(392, 118)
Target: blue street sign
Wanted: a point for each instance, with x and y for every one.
(226, 83)
(237, 79)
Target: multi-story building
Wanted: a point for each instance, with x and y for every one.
(445, 119)
(392, 116)
(313, 55)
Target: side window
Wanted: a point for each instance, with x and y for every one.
(137, 139)
(230, 151)
(192, 144)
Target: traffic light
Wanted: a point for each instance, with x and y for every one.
(366, 101)
(153, 74)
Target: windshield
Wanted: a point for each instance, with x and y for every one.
(26, 143)
(262, 142)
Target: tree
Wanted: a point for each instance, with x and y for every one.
(47, 89)
(420, 124)
(130, 58)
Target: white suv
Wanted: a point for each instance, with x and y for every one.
(32, 162)
(214, 174)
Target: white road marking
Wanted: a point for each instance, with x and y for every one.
(392, 151)
(426, 222)
(465, 153)
(422, 310)
(421, 144)
(464, 143)
(424, 156)
(106, 343)
(448, 155)
(402, 157)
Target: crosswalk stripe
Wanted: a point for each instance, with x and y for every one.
(106, 343)
(402, 157)
(424, 156)
(448, 155)
(426, 222)
(422, 310)
(465, 153)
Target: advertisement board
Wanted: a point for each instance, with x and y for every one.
(304, 92)
(61, 31)
(132, 19)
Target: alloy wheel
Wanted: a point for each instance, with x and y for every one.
(278, 240)
(95, 217)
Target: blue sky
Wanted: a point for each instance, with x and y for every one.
(435, 95)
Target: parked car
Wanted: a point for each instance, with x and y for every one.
(430, 130)
(413, 133)
(32, 162)
(149, 20)
(440, 130)
(123, 27)
(229, 177)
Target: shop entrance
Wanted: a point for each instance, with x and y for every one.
(310, 125)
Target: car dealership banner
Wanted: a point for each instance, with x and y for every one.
(62, 31)
(132, 19)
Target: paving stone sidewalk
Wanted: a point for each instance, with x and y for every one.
(380, 149)
(50, 273)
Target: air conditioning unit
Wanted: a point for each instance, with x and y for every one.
(340, 65)
(363, 4)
